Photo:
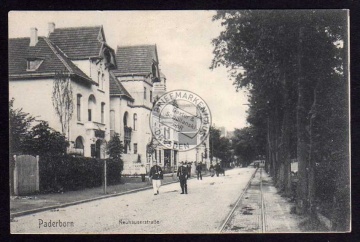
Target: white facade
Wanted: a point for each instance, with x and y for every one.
(38, 103)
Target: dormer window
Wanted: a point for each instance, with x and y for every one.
(153, 70)
(33, 64)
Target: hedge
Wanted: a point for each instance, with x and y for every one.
(66, 173)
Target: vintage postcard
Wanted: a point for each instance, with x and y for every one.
(179, 122)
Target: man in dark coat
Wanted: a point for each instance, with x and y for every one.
(217, 169)
(198, 170)
(156, 175)
(183, 175)
(189, 167)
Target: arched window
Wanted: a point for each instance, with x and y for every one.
(91, 107)
(125, 119)
(135, 121)
(79, 145)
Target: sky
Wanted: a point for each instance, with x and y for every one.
(183, 40)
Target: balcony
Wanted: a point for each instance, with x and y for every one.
(75, 151)
(92, 125)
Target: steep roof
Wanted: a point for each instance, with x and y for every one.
(116, 88)
(135, 59)
(54, 60)
(79, 42)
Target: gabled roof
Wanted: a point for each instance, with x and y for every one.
(54, 60)
(135, 59)
(117, 89)
(79, 42)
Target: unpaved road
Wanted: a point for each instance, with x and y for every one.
(201, 211)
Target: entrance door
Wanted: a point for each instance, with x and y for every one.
(167, 158)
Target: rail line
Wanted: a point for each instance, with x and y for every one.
(248, 213)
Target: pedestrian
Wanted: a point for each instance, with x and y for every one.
(156, 175)
(198, 170)
(211, 169)
(217, 168)
(183, 175)
(142, 172)
(189, 168)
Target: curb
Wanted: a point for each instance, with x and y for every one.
(37, 210)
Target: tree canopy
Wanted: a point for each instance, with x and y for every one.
(294, 64)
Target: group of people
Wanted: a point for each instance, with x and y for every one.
(183, 173)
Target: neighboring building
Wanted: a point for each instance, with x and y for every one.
(230, 134)
(222, 131)
(85, 59)
(136, 81)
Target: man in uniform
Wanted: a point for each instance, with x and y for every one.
(198, 170)
(183, 175)
(156, 175)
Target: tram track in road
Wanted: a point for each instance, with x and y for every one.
(248, 214)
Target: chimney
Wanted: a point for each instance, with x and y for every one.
(33, 36)
(51, 27)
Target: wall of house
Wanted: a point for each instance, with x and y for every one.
(34, 97)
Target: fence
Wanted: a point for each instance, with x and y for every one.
(25, 177)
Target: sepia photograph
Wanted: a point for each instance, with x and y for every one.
(179, 122)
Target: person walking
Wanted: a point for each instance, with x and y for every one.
(211, 169)
(217, 169)
(183, 175)
(156, 175)
(198, 170)
(142, 172)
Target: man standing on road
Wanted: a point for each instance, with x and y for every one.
(142, 172)
(156, 175)
(198, 170)
(183, 175)
(189, 168)
(217, 169)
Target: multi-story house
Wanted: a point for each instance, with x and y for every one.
(136, 83)
(83, 57)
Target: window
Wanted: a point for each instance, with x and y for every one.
(135, 120)
(89, 114)
(33, 65)
(79, 146)
(135, 148)
(102, 113)
(153, 70)
(78, 107)
(145, 93)
(150, 96)
(112, 123)
(91, 106)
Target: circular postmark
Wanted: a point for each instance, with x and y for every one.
(180, 120)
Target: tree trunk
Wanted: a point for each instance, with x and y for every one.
(301, 135)
(286, 132)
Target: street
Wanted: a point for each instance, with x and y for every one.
(203, 210)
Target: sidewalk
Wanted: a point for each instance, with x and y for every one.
(21, 205)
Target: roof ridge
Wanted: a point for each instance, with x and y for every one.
(127, 46)
(79, 27)
(52, 47)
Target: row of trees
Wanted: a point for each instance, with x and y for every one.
(294, 64)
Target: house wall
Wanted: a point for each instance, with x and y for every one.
(34, 97)
(38, 102)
